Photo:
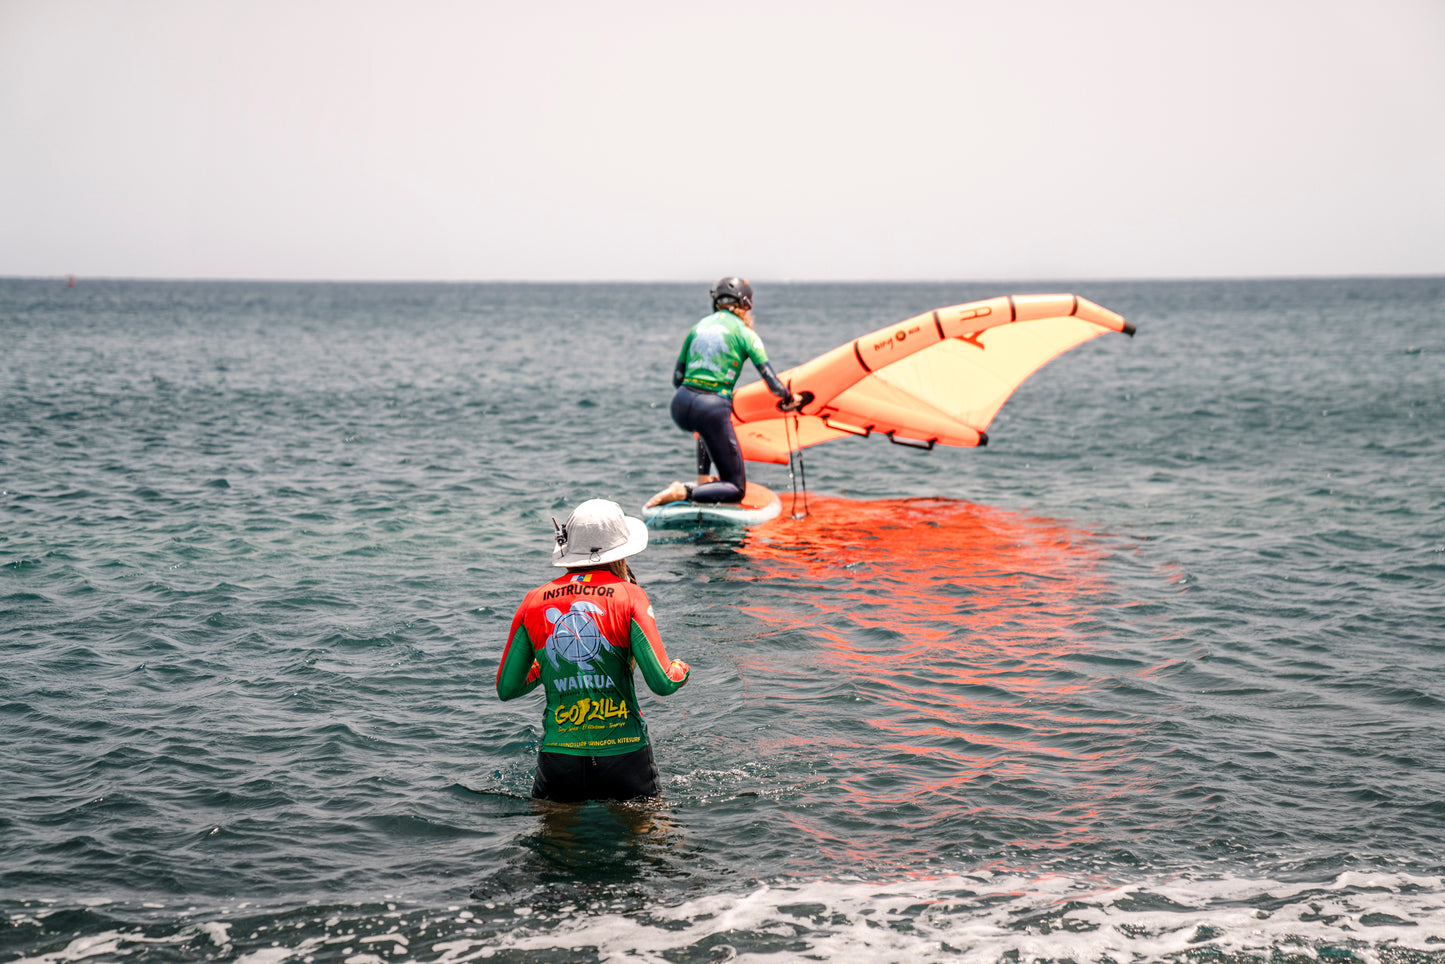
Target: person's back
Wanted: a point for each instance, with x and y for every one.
(707, 369)
(713, 353)
(579, 637)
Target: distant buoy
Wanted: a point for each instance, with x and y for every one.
(70, 281)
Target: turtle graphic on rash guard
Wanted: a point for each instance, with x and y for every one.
(713, 353)
(710, 351)
(575, 636)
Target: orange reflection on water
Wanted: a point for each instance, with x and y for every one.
(972, 638)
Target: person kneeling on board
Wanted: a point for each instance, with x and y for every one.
(579, 636)
(707, 369)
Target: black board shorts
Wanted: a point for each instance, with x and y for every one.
(564, 778)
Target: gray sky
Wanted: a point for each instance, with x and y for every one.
(681, 141)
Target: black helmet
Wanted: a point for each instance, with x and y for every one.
(734, 291)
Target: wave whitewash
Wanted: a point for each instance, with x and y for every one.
(1155, 676)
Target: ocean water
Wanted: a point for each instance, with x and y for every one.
(1157, 675)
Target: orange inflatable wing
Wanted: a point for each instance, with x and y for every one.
(936, 379)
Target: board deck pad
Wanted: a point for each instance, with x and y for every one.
(759, 504)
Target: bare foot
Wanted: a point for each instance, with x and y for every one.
(677, 492)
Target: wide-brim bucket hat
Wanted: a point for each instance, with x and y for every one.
(597, 532)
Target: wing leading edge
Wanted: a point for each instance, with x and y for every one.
(936, 379)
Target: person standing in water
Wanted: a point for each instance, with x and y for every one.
(707, 369)
(579, 636)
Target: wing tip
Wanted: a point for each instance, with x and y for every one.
(1128, 329)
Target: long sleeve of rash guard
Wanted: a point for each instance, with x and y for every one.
(518, 673)
(679, 370)
(774, 383)
(658, 670)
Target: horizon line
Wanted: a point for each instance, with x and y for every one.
(67, 277)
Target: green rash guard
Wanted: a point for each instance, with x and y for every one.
(713, 353)
(580, 636)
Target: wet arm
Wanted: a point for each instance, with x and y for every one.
(519, 672)
(759, 355)
(679, 370)
(664, 676)
(774, 383)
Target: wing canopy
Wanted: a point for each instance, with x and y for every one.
(938, 378)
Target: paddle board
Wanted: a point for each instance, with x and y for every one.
(759, 504)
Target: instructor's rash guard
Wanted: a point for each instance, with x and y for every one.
(579, 636)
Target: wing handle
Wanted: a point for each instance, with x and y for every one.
(911, 443)
(799, 400)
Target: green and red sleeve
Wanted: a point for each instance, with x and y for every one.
(519, 672)
(662, 677)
